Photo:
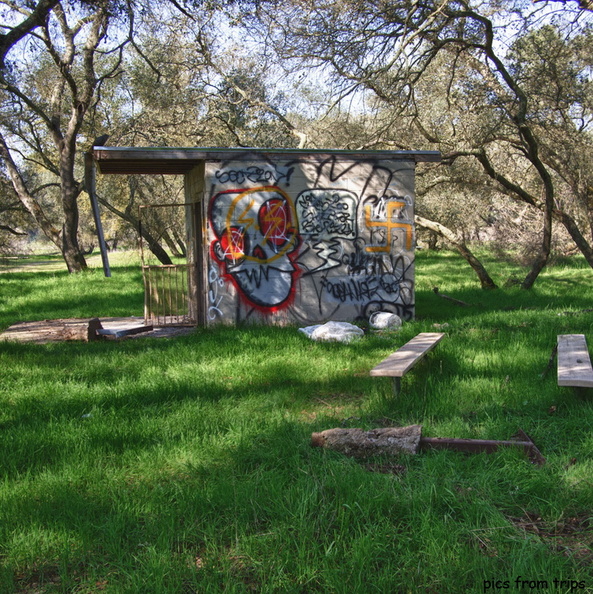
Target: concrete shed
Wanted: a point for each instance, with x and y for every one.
(287, 236)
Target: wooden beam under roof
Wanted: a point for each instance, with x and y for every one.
(178, 161)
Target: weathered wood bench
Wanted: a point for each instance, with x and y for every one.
(574, 363)
(402, 360)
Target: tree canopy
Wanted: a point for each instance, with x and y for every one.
(502, 89)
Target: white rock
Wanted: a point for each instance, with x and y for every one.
(384, 319)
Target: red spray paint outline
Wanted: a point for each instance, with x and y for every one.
(292, 256)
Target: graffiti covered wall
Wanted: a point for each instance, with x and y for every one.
(309, 239)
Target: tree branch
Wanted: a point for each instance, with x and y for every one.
(35, 19)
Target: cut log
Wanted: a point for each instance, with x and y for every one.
(85, 331)
(363, 444)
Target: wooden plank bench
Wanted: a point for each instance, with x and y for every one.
(574, 363)
(402, 360)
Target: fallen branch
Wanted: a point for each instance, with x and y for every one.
(456, 301)
(550, 361)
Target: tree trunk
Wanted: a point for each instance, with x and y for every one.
(171, 244)
(155, 247)
(589, 201)
(66, 239)
(61, 110)
(574, 231)
(71, 252)
(485, 281)
(153, 244)
(544, 253)
(180, 243)
(70, 191)
(28, 201)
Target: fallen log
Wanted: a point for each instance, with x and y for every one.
(397, 440)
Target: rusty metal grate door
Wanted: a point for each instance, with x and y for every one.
(167, 287)
(166, 295)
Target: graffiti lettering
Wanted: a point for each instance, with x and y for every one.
(360, 262)
(254, 174)
(326, 214)
(215, 283)
(361, 290)
(355, 291)
(310, 237)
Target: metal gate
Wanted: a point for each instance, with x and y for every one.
(167, 287)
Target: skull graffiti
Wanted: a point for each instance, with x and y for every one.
(256, 243)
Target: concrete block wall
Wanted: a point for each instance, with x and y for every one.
(307, 239)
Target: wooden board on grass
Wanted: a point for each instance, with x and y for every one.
(574, 362)
(400, 362)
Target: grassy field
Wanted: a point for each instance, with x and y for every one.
(184, 465)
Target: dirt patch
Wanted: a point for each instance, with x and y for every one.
(45, 331)
(572, 536)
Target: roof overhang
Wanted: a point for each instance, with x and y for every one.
(178, 161)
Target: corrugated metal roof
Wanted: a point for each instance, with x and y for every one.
(132, 160)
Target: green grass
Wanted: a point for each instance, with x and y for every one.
(183, 465)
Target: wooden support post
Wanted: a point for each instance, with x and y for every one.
(397, 386)
(197, 252)
(90, 186)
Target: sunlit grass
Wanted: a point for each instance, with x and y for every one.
(184, 465)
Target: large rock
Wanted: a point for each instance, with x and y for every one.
(382, 320)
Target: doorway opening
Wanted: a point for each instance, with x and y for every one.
(168, 275)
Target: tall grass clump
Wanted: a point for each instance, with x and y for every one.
(184, 465)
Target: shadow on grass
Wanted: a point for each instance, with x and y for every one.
(267, 506)
(123, 397)
(185, 464)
